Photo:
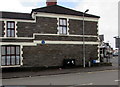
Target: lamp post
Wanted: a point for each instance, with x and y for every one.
(84, 37)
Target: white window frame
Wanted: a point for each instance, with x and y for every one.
(5, 29)
(67, 28)
(20, 55)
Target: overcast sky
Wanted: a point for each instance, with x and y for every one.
(106, 9)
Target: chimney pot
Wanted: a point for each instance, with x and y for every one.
(51, 2)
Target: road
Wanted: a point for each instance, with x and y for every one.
(108, 77)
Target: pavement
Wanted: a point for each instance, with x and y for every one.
(9, 75)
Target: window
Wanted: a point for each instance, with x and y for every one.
(62, 26)
(10, 55)
(10, 29)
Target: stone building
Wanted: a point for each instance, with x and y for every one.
(106, 51)
(117, 40)
(47, 36)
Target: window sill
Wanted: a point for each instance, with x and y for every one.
(9, 37)
(10, 66)
(63, 35)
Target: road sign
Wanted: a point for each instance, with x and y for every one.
(43, 42)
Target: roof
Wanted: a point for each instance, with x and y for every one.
(56, 9)
(15, 15)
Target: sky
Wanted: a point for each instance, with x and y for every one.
(106, 9)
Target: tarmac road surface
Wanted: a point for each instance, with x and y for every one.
(107, 77)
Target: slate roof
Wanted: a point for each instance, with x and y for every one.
(56, 9)
(15, 15)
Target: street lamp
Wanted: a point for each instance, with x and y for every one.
(84, 37)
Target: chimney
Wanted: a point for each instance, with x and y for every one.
(51, 2)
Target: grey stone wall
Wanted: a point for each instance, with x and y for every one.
(49, 25)
(117, 42)
(2, 29)
(17, 40)
(53, 55)
(76, 27)
(53, 38)
(42, 25)
(64, 38)
(26, 29)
